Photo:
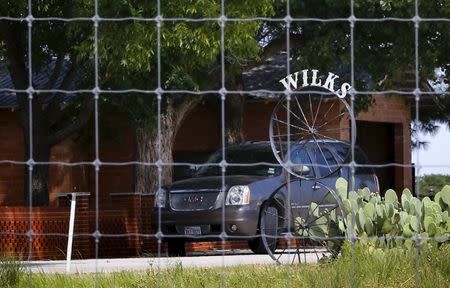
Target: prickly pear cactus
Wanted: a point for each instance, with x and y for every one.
(388, 221)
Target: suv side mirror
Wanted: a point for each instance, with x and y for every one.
(301, 169)
(192, 170)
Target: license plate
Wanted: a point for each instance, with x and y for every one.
(192, 230)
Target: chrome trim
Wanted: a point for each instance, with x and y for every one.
(194, 190)
(218, 191)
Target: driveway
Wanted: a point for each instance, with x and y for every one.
(217, 259)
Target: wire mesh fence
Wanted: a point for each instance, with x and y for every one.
(183, 81)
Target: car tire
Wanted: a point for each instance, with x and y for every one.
(268, 222)
(257, 246)
(175, 248)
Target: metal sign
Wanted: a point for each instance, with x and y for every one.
(312, 80)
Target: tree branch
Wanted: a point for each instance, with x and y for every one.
(50, 84)
(274, 47)
(53, 110)
(81, 120)
(68, 13)
(56, 72)
(16, 65)
(183, 110)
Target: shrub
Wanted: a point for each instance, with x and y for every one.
(388, 221)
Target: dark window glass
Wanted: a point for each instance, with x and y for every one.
(360, 158)
(342, 153)
(325, 160)
(242, 155)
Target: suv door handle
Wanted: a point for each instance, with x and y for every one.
(316, 186)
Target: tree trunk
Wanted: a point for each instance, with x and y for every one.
(40, 153)
(147, 176)
(234, 119)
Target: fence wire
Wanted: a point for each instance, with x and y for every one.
(160, 93)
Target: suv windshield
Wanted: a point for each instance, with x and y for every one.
(246, 159)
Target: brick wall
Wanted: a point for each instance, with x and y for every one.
(62, 178)
(125, 231)
(15, 223)
(11, 148)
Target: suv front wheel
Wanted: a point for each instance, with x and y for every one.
(175, 247)
(268, 227)
(257, 246)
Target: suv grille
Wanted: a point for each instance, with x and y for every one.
(185, 200)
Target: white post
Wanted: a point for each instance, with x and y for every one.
(71, 225)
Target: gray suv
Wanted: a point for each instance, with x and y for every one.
(253, 182)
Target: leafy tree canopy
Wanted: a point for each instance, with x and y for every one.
(432, 183)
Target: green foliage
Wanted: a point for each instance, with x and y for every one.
(431, 184)
(389, 222)
(189, 56)
(128, 49)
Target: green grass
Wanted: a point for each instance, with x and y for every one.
(368, 268)
(11, 272)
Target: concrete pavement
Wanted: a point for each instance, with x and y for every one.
(144, 263)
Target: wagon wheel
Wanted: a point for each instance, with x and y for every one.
(313, 232)
(315, 118)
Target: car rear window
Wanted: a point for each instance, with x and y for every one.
(325, 160)
(360, 158)
(246, 160)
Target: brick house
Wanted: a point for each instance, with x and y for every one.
(383, 132)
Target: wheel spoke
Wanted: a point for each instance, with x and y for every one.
(281, 254)
(292, 134)
(295, 115)
(297, 244)
(292, 125)
(318, 204)
(317, 112)
(301, 110)
(328, 137)
(334, 130)
(321, 152)
(268, 213)
(278, 201)
(317, 254)
(339, 115)
(311, 110)
(329, 109)
(297, 253)
(304, 253)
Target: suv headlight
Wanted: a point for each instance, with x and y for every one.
(238, 195)
(161, 198)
